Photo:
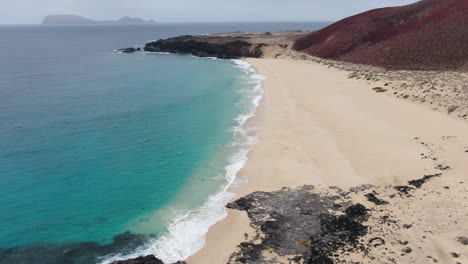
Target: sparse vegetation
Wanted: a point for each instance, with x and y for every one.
(452, 109)
(354, 75)
(379, 89)
(326, 63)
(405, 96)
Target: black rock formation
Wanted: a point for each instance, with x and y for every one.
(371, 197)
(70, 253)
(207, 46)
(415, 184)
(150, 259)
(300, 223)
(129, 50)
(419, 182)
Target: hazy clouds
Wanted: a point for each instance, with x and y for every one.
(32, 11)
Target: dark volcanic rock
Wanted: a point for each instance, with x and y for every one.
(419, 182)
(463, 240)
(357, 212)
(405, 190)
(407, 250)
(205, 46)
(337, 232)
(426, 35)
(129, 50)
(299, 223)
(371, 197)
(70, 253)
(150, 259)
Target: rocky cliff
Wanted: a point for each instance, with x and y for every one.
(226, 48)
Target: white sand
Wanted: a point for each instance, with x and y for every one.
(321, 128)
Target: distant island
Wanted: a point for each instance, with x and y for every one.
(79, 20)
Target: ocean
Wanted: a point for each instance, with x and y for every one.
(105, 155)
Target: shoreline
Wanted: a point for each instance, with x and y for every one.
(307, 132)
(235, 220)
(174, 245)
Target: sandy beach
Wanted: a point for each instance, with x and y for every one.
(319, 127)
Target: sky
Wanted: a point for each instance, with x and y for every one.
(33, 11)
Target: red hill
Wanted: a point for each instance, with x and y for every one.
(427, 35)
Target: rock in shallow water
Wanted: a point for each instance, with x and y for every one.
(150, 259)
(129, 50)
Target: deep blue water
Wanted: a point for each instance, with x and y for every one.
(95, 143)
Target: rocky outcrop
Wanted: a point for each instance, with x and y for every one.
(150, 259)
(208, 46)
(329, 225)
(300, 223)
(129, 50)
(71, 253)
(426, 35)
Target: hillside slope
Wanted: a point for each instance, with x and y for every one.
(426, 35)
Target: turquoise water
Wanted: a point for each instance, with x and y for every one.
(87, 157)
(95, 144)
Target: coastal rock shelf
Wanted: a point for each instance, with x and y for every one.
(226, 46)
(150, 259)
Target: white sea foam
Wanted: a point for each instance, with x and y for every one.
(243, 65)
(186, 233)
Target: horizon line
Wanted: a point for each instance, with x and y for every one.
(174, 22)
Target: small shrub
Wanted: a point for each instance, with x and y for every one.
(353, 75)
(379, 89)
(452, 109)
(405, 96)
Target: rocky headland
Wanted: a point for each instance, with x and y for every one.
(225, 46)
